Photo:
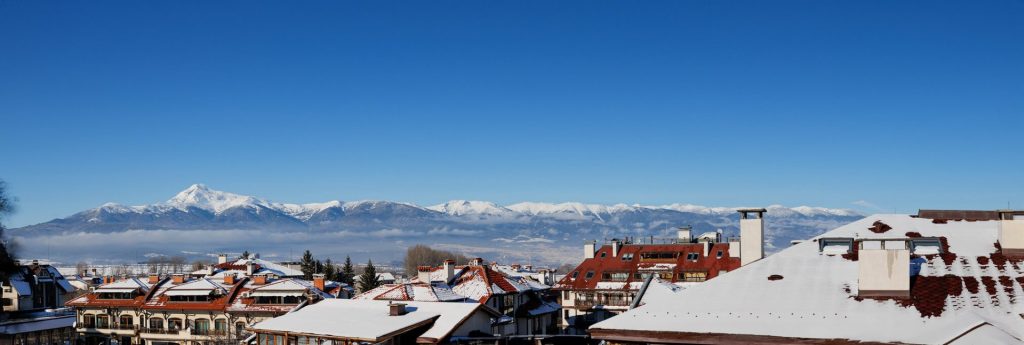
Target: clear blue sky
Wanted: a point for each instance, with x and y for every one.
(903, 105)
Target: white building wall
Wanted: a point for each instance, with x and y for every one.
(883, 270)
(1011, 234)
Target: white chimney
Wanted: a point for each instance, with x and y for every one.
(589, 248)
(734, 247)
(249, 268)
(751, 235)
(615, 248)
(222, 259)
(1011, 232)
(707, 248)
(449, 270)
(883, 269)
(683, 235)
(423, 274)
(209, 270)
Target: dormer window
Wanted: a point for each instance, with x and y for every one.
(925, 246)
(627, 257)
(719, 255)
(692, 256)
(835, 245)
(590, 274)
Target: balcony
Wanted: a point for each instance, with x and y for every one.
(129, 327)
(160, 331)
(209, 332)
(587, 304)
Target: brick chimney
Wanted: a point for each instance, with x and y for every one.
(178, 278)
(154, 278)
(229, 279)
(259, 279)
(397, 309)
(319, 281)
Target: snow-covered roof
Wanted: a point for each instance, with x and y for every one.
(436, 292)
(129, 284)
(368, 320)
(971, 288)
(383, 276)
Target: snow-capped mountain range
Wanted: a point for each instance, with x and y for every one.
(478, 224)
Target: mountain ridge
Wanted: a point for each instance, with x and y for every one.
(377, 226)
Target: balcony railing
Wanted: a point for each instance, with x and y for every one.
(209, 332)
(125, 327)
(591, 303)
(160, 331)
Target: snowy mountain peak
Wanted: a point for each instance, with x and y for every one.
(469, 207)
(201, 196)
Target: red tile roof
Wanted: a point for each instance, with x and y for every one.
(603, 261)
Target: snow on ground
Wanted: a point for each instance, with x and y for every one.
(816, 297)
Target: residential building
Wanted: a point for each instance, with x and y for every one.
(33, 312)
(889, 278)
(183, 310)
(525, 306)
(609, 278)
(361, 321)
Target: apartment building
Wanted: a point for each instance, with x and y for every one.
(33, 312)
(937, 277)
(185, 310)
(609, 278)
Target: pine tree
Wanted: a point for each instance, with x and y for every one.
(330, 271)
(7, 266)
(307, 265)
(347, 271)
(245, 255)
(369, 280)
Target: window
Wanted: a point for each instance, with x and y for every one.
(239, 328)
(174, 324)
(719, 255)
(7, 302)
(125, 320)
(204, 298)
(156, 323)
(614, 276)
(663, 275)
(89, 320)
(590, 274)
(102, 321)
(202, 326)
(280, 299)
(575, 274)
(627, 257)
(119, 295)
(220, 325)
(565, 294)
(695, 276)
(692, 256)
(604, 254)
(658, 255)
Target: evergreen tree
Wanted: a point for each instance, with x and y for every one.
(347, 271)
(307, 265)
(330, 271)
(245, 255)
(7, 266)
(369, 279)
